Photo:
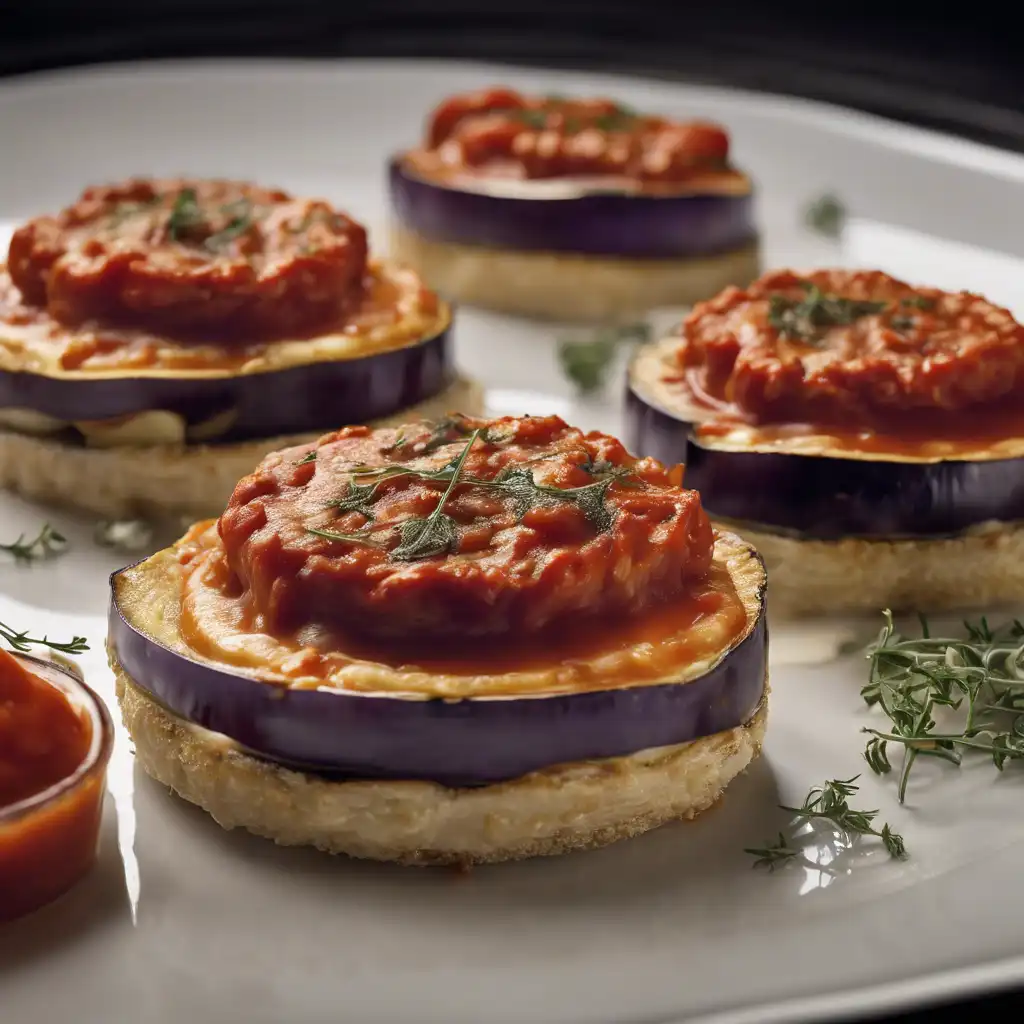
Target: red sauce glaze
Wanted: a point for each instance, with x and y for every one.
(220, 258)
(45, 846)
(500, 555)
(505, 133)
(856, 349)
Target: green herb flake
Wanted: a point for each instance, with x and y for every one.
(826, 215)
(186, 216)
(805, 319)
(424, 537)
(240, 220)
(586, 362)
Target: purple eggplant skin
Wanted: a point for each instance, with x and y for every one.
(314, 397)
(828, 497)
(592, 224)
(457, 743)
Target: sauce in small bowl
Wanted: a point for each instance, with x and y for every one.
(56, 738)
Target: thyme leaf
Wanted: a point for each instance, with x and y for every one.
(186, 216)
(586, 362)
(826, 215)
(437, 533)
(22, 642)
(45, 544)
(424, 537)
(916, 680)
(804, 319)
(829, 803)
(773, 853)
(240, 214)
(307, 458)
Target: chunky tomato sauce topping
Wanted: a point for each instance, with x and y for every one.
(43, 739)
(468, 527)
(851, 348)
(214, 258)
(503, 133)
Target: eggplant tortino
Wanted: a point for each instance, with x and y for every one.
(570, 207)
(866, 434)
(180, 314)
(466, 602)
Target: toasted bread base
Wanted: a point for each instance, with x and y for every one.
(982, 568)
(193, 481)
(568, 286)
(554, 811)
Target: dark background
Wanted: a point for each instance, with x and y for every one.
(957, 69)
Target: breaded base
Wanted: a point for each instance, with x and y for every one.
(194, 481)
(557, 810)
(568, 286)
(982, 568)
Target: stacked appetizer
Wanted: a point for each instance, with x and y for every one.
(573, 209)
(463, 642)
(55, 742)
(158, 337)
(865, 434)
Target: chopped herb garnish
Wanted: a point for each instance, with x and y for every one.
(587, 362)
(424, 537)
(981, 676)
(186, 216)
(829, 804)
(46, 543)
(240, 220)
(918, 302)
(23, 643)
(826, 215)
(307, 458)
(804, 319)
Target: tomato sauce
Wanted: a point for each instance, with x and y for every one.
(376, 531)
(858, 352)
(500, 133)
(200, 258)
(53, 754)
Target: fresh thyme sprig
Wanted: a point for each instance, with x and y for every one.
(829, 803)
(45, 544)
(803, 319)
(423, 537)
(22, 642)
(912, 680)
(586, 362)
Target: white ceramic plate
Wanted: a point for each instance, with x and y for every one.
(182, 921)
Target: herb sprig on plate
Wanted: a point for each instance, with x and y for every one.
(976, 684)
(45, 544)
(20, 641)
(829, 805)
(586, 362)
